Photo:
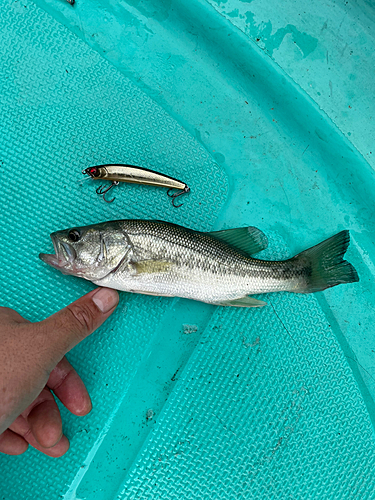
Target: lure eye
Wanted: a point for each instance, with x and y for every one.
(74, 235)
(93, 171)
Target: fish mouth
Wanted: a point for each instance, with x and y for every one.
(63, 258)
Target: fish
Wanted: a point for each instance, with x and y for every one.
(160, 258)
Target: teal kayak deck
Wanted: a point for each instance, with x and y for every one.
(267, 115)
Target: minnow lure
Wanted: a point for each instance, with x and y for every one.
(129, 173)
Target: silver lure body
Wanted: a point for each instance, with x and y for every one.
(134, 175)
(159, 258)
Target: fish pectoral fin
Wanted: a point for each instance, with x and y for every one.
(242, 302)
(151, 266)
(249, 240)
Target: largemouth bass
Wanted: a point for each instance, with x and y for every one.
(160, 258)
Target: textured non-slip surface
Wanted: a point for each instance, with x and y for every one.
(261, 413)
(61, 111)
(190, 401)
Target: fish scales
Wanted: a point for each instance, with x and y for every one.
(201, 260)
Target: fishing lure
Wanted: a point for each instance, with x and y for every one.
(129, 173)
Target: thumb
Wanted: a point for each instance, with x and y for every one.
(71, 325)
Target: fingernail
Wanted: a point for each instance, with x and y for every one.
(105, 299)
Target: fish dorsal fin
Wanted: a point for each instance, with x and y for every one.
(242, 302)
(249, 240)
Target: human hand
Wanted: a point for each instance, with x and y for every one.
(32, 364)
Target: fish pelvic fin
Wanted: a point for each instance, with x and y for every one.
(242, 302)
(325, 266)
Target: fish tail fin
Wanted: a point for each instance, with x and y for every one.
(325, 265)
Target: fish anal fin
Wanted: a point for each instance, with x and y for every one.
(249, 240)
(242, 302)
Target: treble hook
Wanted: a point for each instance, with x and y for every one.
(103, 192)
(179, 193)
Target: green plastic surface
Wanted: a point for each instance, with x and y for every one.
(267, 114)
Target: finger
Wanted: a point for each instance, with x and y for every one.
(44, 420)
(63, 330)
(67, 385)
(12, 315)
(45, 423)
(12, 444)
(22, 428)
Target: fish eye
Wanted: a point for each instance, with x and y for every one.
(74, 235)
